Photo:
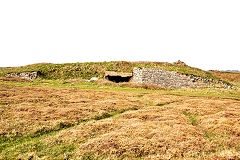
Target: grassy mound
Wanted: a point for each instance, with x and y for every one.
(227, 76)
(97, 69)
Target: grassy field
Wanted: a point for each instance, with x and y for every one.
(74, 119)
(233, 77)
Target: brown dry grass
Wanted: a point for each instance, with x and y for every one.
(33, 109)
(162, 132)
(30, 109)
(227, 76)
(153, 126)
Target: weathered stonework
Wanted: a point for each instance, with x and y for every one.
(26, 75)
(171, 79)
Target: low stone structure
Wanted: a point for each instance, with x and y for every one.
(171, 79)
(26, 75)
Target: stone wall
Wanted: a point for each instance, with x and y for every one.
(171, 79)
(26, 75)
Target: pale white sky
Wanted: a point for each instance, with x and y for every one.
(202, 33)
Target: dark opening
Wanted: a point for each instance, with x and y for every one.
(118, 79)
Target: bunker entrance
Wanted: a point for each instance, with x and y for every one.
(118, 79)
(118, 76)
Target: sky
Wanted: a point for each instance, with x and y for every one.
(203, 34)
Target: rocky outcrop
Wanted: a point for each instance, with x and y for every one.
(171, 79)
(26, 75)
(180, 63)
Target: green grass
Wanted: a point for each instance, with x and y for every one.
(192, 118)
(12, 148)
(107, 115)
(210, 135)
(97, 69)
(237, 84)
(206, 92)
(113, 113)
(163, 104)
